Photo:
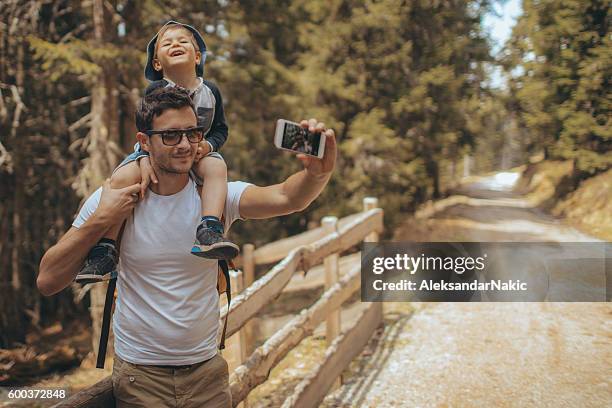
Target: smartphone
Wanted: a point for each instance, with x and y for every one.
(291, 136)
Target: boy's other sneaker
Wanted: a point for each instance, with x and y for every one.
(210, 242)
(100, 264)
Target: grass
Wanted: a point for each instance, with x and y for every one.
(589, 208)
(548, 185)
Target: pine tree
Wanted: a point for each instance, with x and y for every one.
(399, 80)
(562, 52)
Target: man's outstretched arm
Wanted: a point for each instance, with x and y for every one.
(300, 189)
(61, 263)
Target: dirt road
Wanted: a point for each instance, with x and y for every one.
(485, 354)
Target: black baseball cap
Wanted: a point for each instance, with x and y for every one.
(151, 74)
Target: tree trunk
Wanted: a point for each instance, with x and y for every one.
(434, 173)
(16, 307)
(102, 149)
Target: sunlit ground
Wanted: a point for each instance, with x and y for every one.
(503, 181)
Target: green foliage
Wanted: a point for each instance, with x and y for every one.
(73, 57)
(37, 202)
(562, 95)
(395, 80)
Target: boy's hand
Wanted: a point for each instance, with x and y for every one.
(203, 150)
(147, 175)
(313, 165)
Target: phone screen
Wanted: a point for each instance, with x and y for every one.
(300, 140)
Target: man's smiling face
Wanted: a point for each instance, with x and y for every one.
(172, 159)
(176, 47)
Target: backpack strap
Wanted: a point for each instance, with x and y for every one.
(106, 318)
(223, 265)
(108, 307)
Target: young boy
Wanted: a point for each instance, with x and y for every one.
(173, 53)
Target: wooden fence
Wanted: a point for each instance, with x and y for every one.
(297, 253)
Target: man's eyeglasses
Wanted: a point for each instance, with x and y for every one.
(172, 137)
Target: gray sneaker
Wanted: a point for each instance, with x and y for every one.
(210, 242)
(100, 264)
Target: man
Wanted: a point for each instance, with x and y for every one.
(167, 313)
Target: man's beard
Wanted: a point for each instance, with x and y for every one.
(169, 170)
(165, 166)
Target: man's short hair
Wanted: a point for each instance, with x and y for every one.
(159, 100)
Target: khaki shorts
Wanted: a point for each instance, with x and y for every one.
(201, 385)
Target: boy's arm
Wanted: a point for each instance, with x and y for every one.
(217, 136)
(61, 263)
(299, 190)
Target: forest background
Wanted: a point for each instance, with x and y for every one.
(405, 84)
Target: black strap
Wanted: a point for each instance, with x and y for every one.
(108, 307)
(106, 318)
(228, 292)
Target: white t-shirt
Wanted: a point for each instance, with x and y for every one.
(167, 310)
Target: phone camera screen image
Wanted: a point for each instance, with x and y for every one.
(301, 140)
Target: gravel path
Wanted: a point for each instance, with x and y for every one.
(486, 354)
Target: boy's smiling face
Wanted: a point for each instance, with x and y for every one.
(176, 48)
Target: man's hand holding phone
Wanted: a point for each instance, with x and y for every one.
(323, 166)
(300, 137)
(315, 146)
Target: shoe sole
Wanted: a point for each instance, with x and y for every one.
(220, 250)
(87, 278)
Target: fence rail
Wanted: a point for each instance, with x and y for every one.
(297, 253)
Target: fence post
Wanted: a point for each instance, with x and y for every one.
(248, 261)
(236, 343)
(332, 272)
(369, 203)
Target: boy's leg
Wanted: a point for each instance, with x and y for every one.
(124, 176)
(210, 242)
(101, 262)
(214, 190)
